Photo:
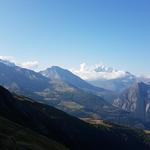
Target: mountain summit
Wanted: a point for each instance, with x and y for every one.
(56, 73)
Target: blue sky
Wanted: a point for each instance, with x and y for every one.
(70, 32)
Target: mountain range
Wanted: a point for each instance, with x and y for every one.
(62, 89)
(65, 94)
(26, 124)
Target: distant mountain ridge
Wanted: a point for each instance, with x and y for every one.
(118, 85)
(19, 79)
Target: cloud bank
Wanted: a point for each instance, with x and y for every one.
(98, 72)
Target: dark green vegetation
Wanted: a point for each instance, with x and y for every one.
(17, 137)
(65, 129)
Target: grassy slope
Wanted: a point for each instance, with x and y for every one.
(16, 137)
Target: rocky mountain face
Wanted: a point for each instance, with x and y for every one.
(23, 115)
(136, 99)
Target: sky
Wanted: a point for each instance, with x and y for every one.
(70, 32)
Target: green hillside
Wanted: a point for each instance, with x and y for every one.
(16, 137)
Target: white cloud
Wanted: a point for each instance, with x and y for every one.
(98, 72)
(30, 65)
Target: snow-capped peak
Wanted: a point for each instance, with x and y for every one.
(102, 68)
(99, 72)
(8, 63)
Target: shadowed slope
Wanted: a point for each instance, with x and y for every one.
(65, 129)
